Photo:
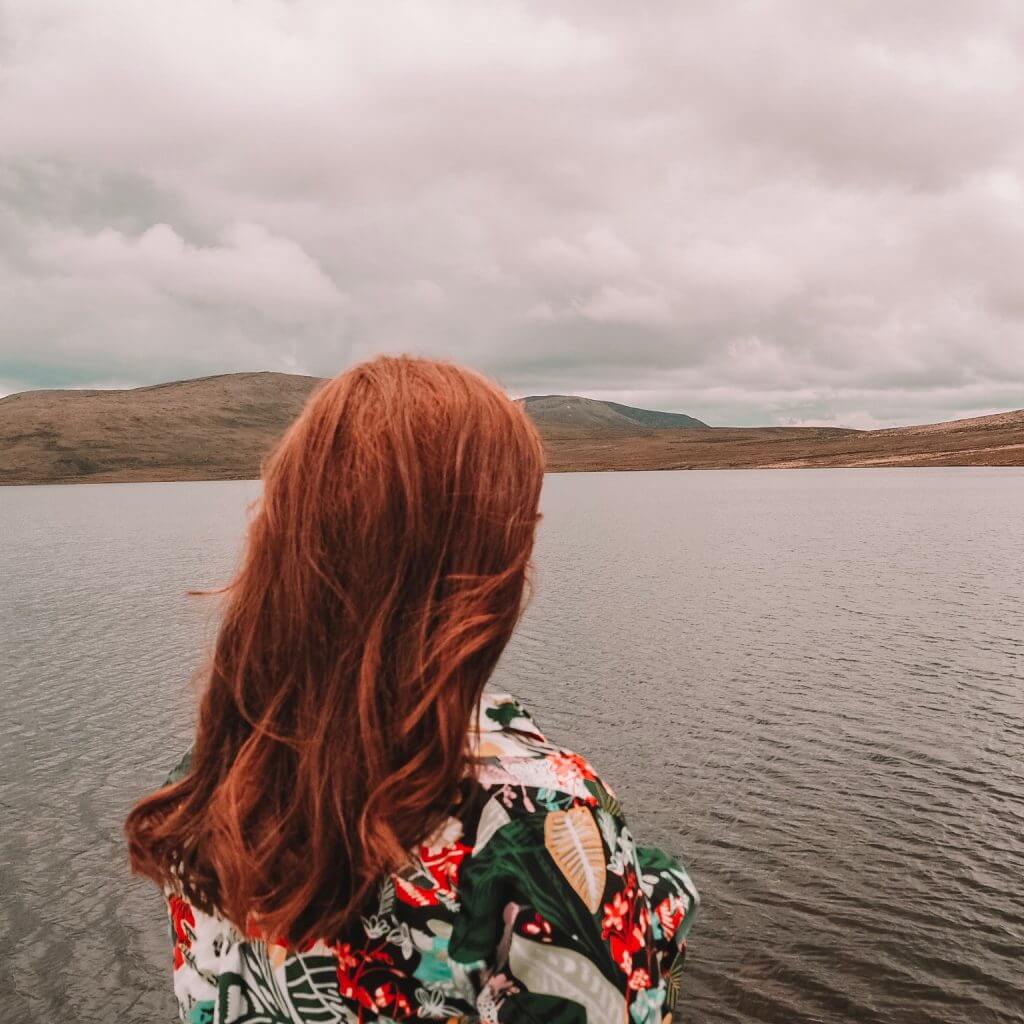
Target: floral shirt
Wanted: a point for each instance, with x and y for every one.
(531, 903)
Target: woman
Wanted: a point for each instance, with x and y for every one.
(361, 832)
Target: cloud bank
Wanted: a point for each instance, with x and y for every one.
(767, 211)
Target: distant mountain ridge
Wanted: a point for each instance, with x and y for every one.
(218, 427)
(222, 427)
(575, 411)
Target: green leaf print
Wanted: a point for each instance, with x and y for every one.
(202, 1013)
(312, 981)
(515, 867)
(656, 862)
(550, 1009)
(567, 975)
(605, 800)
(240, 1003)
(254, 997)
(505, 713)
(674, 981)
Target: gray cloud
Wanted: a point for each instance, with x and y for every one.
(775, 211)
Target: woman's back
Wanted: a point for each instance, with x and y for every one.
(530, 902)
(387, 841)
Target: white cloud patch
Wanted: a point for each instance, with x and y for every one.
(248, 268)
(784, 211)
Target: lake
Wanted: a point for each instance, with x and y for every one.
(809, 684)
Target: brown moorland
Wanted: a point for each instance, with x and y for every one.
(220, 428)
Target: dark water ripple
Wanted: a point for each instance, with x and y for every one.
(809, 684)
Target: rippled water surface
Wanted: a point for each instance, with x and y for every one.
(809, 684)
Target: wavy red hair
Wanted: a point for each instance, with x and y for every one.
(384, 572)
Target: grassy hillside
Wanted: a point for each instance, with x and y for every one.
(556, 411)
(211, 428)
(986, 441)
(218, 428)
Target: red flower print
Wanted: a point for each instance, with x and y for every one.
(354, 967)
(444, 865)
(614, 915)
(621, 955)
(183, 921)
(639, 979)
(351, 989)
(570, 767)
(670, 913)
(414, 895)
(624, 924)
(538, 928)
(388, 997)
(181, 915)
(346, 958)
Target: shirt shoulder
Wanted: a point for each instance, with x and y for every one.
(516, 762)
(582, 915)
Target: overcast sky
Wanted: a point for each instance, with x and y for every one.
(785, 211)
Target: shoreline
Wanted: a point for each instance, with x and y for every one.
(563, 471)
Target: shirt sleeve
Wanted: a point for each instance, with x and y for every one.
(195, 977)
(571, 922)
(674, 903)
(195, 966)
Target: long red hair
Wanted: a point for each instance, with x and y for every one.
(383, 576)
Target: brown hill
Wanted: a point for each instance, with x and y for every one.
(985, 441)
(213, 428)
(217, 428)
(556, 411)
